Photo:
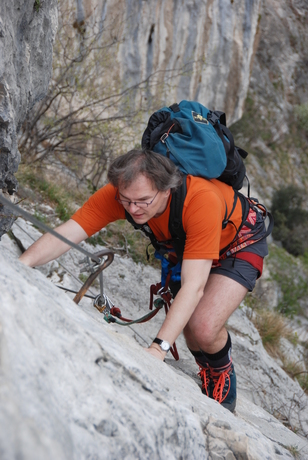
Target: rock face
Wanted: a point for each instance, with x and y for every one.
(27, 31)
(278, 83)
(74, 387)
(278, 77)
(210, 46)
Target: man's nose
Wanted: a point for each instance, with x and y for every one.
(132, 206)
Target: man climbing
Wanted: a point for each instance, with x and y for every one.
(213, 282)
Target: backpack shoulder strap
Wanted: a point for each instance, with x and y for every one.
(145, 229)
(175, 219)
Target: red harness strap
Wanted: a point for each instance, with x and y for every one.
(165, 294)
(254, 259)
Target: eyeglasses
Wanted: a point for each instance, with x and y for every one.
(140, 204)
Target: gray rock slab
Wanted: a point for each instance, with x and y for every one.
(76, 387)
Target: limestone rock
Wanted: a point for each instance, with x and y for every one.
(73, 386)
(26, 38)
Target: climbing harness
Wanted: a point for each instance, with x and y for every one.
(245, 236)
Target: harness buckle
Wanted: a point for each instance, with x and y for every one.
(224, 224)
(164, 137)
(162, 292)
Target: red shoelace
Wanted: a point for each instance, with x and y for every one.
(222, 383)
(204, 374)
(220, 378)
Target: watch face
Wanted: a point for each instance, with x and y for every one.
(165, 346)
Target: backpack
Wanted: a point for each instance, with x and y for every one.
(197, 140)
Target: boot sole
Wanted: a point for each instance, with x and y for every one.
(230, 407)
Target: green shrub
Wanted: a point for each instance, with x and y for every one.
(123, 239)
(37, 5)
(301, 113)
(291, 277)
(56, 195)
(291, 219)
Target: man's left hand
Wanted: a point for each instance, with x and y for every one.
(156, 352)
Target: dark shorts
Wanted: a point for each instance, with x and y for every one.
(239, 270)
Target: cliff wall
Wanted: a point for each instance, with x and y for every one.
(27, 31)
(210, 45)
(238, 56)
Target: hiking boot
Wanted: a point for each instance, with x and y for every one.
(224, 385)
(207, 382)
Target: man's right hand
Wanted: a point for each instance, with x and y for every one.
(48, 247)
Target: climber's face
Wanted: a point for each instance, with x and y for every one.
(142, 200)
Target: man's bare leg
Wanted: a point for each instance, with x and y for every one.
(209, 341)
(206, 327)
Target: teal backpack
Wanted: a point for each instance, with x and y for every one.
(197, 140)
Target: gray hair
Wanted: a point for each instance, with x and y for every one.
(161, 171)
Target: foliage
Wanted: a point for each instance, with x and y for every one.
(83, 278)
(301, 113)
(295, 371)
(293, 450)
(291, 219)
(40, 217)
(37, 5)
(291, 276)
(123, 239)
(249, 128)
(271, 327)
(79, 124)
(57, 196)
(304, 259)
(275, 155)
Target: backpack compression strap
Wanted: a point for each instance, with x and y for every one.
(218, 121)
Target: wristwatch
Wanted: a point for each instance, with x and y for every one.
(164, 345)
